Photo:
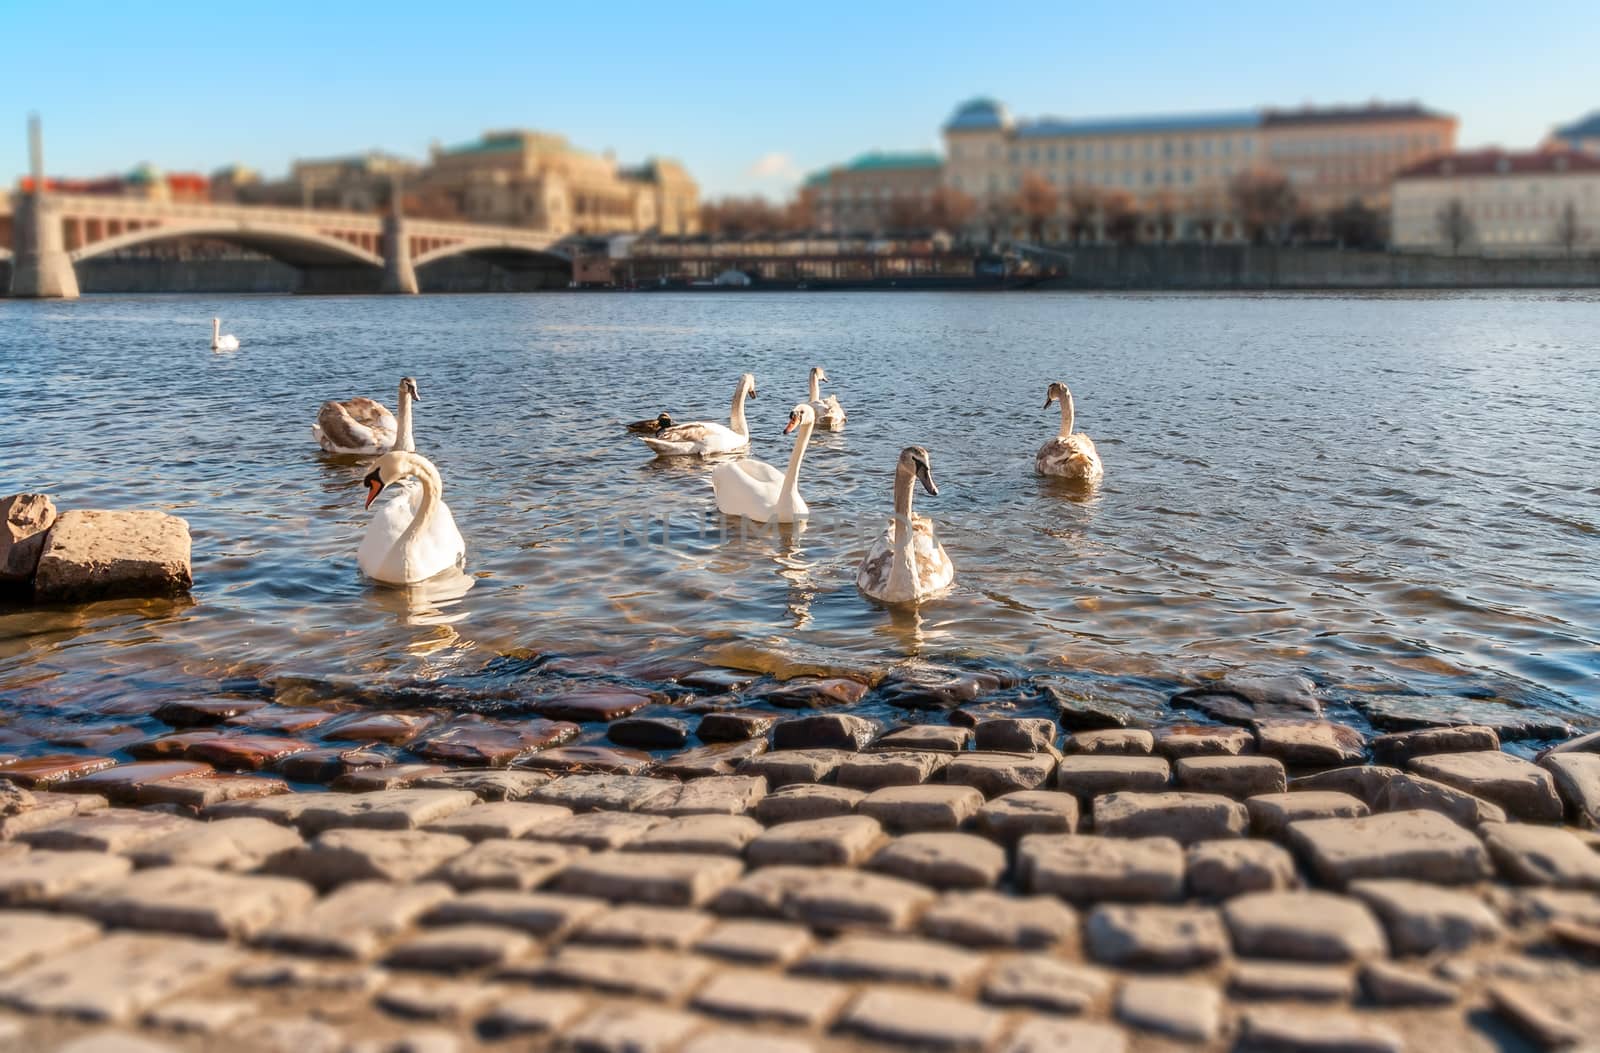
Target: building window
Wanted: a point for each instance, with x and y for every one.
(1069, 153)
(1227, 147)
(1188, 176)
(1166, 148)
(1050, 153)
(1016, 156)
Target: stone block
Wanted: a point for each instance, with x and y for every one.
(1045, 982)
(1125, 742)
(25, 520)
(1277, 981)
(942, 860)
(456, 948)
(1303, 926)
(921, 807)
(1202, 740)
(840, 898)
(670, 879)
(1088, 869)
(27, 935)
(749, 994)
(1015, 815)
(1183, 1009)
(1220, 869)
(870, 771)
(1155, 936)
(630, 1029)
(1310, 743)
(1184, 817)
(117, 830)
(1271, 813)
(1296, 1029)
(542, 914)
(840, 841)
(787, 767)
(506, 864)
(355, 921)
(1577, 779)
(804, 801)
(116, 978)
(1421, 918)
(717, 795)
(598, 831)
(922, 1021)
(994, 919)
(756, 941)
(1542, 855)
(722, 835)
(192, 901)
(612, 793)
(658, 975)
(500, 819)
(1053, 1035)
(1015, 735)
(942, 738)
(1397, 748)
(1408, 792)
(996, 774)
(1236, 777)
(91, 555)
(895, 960)
(382, 810)
(340, 856)
(226, 844)
(825, 731)
(539, 1013)
(1089, 776)
(1523, 789)
(44, 877)
(1421, 845)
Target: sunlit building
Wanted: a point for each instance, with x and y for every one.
(537, 179)
(1332, 156)
(356, 182)
(874, 192)
(1499, 203)
(1179, 170)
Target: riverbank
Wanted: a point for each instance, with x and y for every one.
(1088, 268)
(736, 862)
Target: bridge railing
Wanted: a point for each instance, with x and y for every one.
(143, 208)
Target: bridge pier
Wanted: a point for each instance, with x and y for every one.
(40, 266)
(399, 276)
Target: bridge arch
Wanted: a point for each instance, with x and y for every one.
(296, 246)
(496, 251)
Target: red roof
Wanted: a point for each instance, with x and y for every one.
(1501, 162)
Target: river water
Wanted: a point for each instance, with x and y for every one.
(1383, 493)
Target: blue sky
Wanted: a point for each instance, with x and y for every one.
(750, 96)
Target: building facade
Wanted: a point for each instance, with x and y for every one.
(1581, 135)
(1496, 203)
(536, 179)
(1179, 171)
(874, 192)
(1337, 155)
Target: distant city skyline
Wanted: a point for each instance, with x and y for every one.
(749, 100)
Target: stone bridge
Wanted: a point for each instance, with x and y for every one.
(49, 233)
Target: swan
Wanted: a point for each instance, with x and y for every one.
(906, 564)
(703, 437)
(759, 492)
(220, 342)
(1068, 456)
(830, 415)
(363, 425)
(403, 550)
(652, 426)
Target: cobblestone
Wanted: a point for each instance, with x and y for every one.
(1184, 817)
(1088, 777)
(912, 808)
(192, 901)
(1042, 981)
(942, 860)
(507, 864)
(841, 841)
(1162, 937)
(995, 774)
(355, 921)
(543, 914)
(805, 801)
(338, 856)
(993, 919)
(1015, 815)
(1085, 868)
(670, 928)
(673, 879)
(923, 1021)
(117, 977)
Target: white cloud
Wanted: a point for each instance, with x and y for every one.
(773, 166)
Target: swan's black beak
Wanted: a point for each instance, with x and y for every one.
(926, 475)
(752, 394)
(1047, 400)
(794, 419)
(374, 487)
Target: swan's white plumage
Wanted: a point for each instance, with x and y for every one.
(758, 491)
(412, 536)
(703, 438)
(221, 341)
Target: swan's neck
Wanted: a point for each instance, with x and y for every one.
(1067, 414)
(432, 490)
(902, 568)
(791, 477)
(904, 481)
(816, 387)
(216, 331)
(736, 415)
(403, 440)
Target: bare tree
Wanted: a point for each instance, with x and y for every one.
(738, 216)
(1083, 210)
(950, 209)
(1205, 216)
(1162, 208)
(1121, 214)
(1036, 202)
(1568, 232)
(1265, 203)
(1455, 224)
(1356, 226)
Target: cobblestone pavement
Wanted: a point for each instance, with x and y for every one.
(791, 884)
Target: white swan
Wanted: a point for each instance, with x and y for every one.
(220, 342)
(362, 426)
(830, 415)
(759, 492)
(1068, 456)
(403, 550)
(907, 563)
(703, 437)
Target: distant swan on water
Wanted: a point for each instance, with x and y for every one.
(219, 342)
(363, 426)
(830, 415)
(1068, 456)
